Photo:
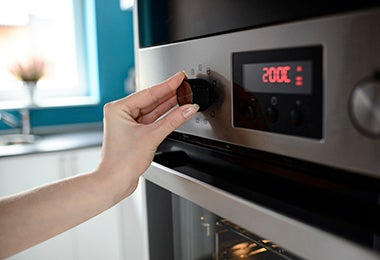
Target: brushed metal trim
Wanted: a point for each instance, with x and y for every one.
(350, 52)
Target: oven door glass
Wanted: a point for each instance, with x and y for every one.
(182, 230)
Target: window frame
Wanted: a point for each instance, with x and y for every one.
(111, 39)
(87, 64)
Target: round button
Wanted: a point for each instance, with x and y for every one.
(295, 116)
(272, 114)
(252, 112)
(364, 106)
(196, 91)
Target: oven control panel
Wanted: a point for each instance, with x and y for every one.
(308, 90)
(279, 91)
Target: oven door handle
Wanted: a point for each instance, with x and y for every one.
(172, 159)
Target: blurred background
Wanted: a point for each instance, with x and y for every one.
(83, 49)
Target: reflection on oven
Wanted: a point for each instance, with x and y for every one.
(234, 242)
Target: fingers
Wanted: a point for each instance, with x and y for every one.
(147, 100)
(174, 120)
(158, 111)
(167, 88)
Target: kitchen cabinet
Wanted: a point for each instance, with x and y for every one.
(99, 238)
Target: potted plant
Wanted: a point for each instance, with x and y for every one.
(30, 73)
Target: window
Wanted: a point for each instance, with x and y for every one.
(56, 33)
(126, 4)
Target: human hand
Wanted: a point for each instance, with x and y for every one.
(133, 128)
(132, 132)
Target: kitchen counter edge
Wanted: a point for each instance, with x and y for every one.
(55, 142)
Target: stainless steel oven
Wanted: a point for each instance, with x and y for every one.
(283, 161)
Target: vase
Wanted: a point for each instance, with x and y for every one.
(31, 90)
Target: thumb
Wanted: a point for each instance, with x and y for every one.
(175, 119)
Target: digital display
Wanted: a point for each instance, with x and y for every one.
(279, 90)
(293, 77)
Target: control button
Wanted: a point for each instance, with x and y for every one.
(196, 91)
(364, 106)
(296, 116)
(271, 114)
(252, 112)
(273, 101)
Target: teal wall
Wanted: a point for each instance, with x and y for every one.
(114, 31)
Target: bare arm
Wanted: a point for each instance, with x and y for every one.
(131, 136)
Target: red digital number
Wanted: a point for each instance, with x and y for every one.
(276, 74)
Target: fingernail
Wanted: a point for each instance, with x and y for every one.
(190, 110)
(185, 74)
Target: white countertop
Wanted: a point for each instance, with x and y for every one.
(55, 143)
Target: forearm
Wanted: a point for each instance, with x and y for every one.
(36, 215)
(133, 129)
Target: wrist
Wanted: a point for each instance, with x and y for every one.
(118, 184)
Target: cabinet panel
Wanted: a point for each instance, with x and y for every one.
(86, 160)
(100, 237)
(25, 172)
(60, 247)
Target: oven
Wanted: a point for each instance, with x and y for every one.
(283, 160)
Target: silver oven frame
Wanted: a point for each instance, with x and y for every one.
(350, 53)
(345, 48)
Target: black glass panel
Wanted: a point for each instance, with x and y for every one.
(163, 21)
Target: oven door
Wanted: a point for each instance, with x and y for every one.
(180, 229)
(211, 203)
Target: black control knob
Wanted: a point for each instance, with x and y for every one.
(271, 114)
(252, 112)
(295, 116)
(196, 91)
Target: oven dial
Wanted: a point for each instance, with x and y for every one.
(295, 116)
(271, 114)
(364, 106)
(196, 91)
